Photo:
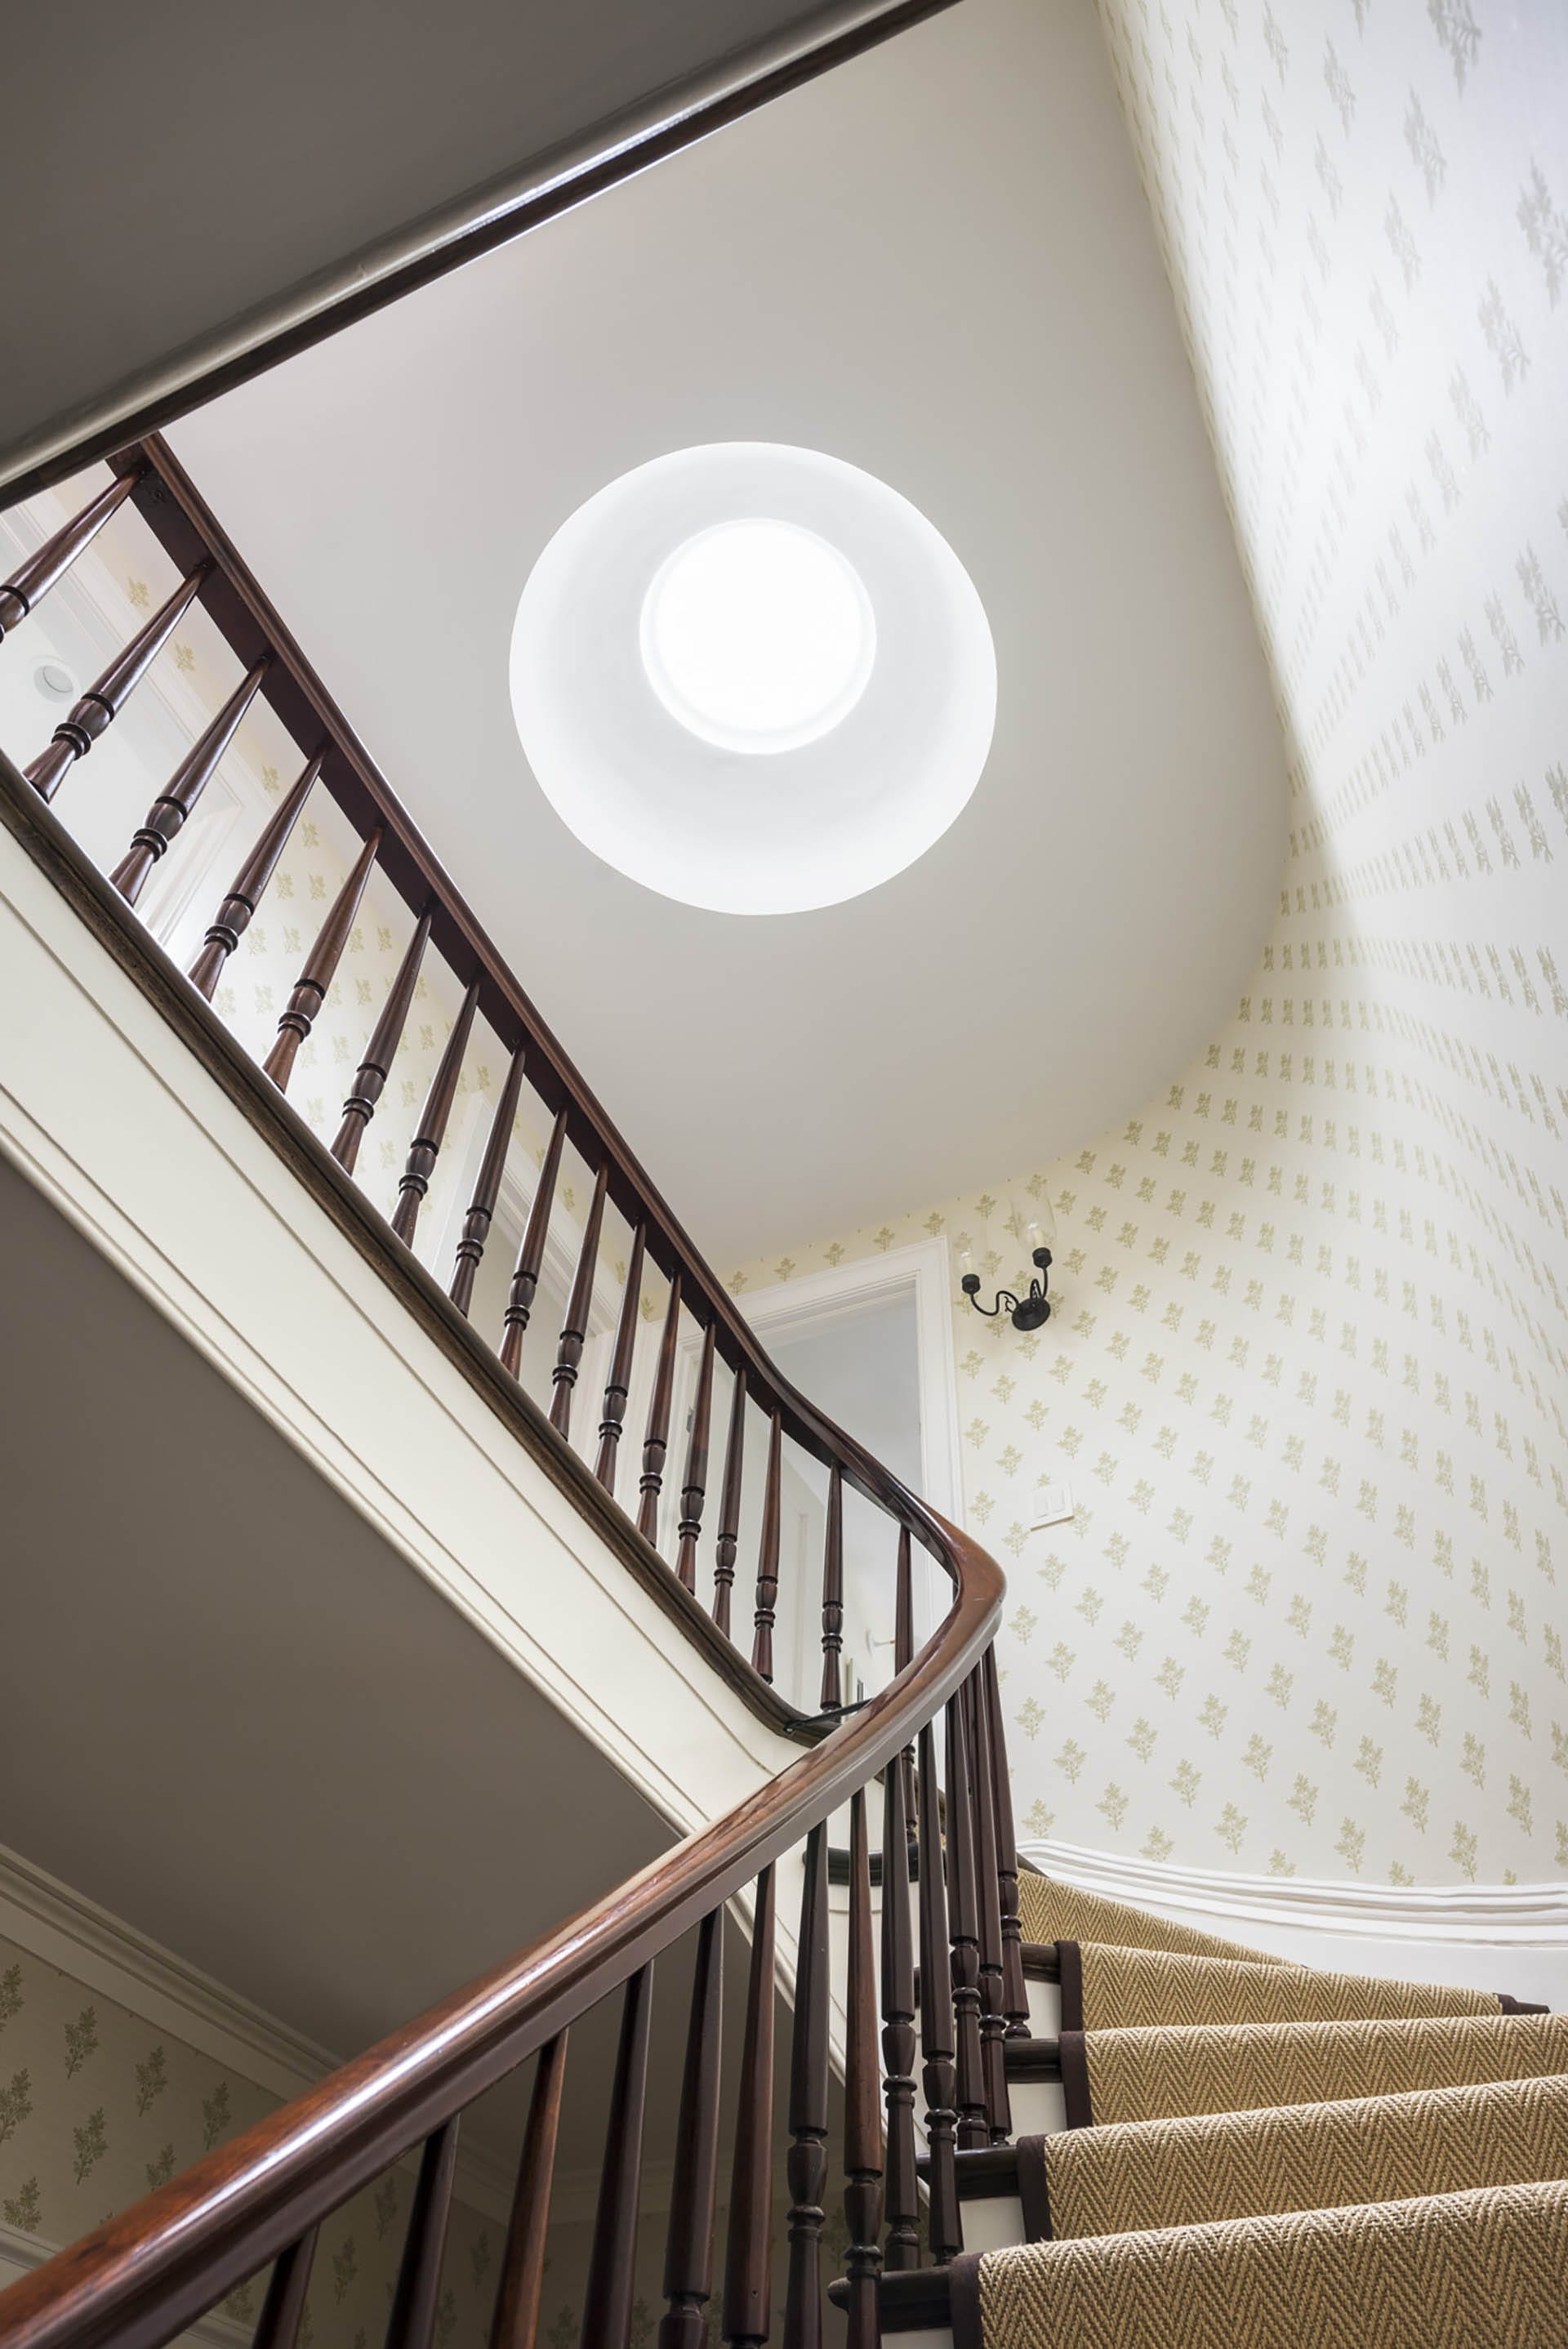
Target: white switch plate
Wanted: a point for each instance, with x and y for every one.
(1053, 1508)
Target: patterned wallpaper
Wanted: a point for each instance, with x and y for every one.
(1309, 1374)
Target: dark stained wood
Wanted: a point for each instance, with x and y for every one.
(245, 891)
(370, 1077)
(515, 2322)
(618, 1385)
(902, 2192)
(695, 1488)
(729, 1505)
(579, 1306)
(964, 1933)
(749, 2261)
(688, 2246)
(48, 565)
(486, 1191)
(938, 2073)
(412, 2323)
(657, 1441)
(320, 969)
(530, 1255)
(1015, 1987)
(832, 1696)
(903, 1650)
(277, 2327)
(768, 1554)
(988, 1913)
(806, 2164)
(431, 1132)
(169, 811)
(613, 2261)
(104, 699)
(862, 2100)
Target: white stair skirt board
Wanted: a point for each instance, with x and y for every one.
(1508, 1937)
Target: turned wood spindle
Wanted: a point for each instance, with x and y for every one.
(278, 2325)
(486, 1191)
(102, 702)
(768, 1554)
(898, 2024)
(964, 1934)
(618, 1385)
(938, 2070)
(1014, 1989)
(806, 2164)
(988, 1908)
(426, 1147)
(371, 1075)
(612, 2264)
(27, 588)
(903, 1652)
(321, 968)
(834, 1595)
(530, 1255)
(515, 2323)
(245, 891)
(688, 2246)
(694, 1490)
(170, 811)
(655, 1444)
(574, 1329)
(412, 2323)
(749, 2261)
(862, 2098)
(729, 1505)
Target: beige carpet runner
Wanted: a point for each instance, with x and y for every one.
(1109, 1989)
(1049, 1911)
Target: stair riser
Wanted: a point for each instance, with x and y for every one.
(1038, 2107)
(1044, 2009)
(992, 2222)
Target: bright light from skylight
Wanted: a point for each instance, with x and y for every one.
(758, 635)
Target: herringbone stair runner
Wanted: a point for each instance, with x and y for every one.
(1049, 1911)
(1107, 1988)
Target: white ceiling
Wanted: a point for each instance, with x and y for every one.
(936, 264)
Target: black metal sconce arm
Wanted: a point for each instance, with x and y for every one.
(1030, 1312)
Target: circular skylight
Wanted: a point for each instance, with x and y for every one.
(753, 677)
(758, 635)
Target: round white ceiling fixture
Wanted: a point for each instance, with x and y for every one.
(753, 677)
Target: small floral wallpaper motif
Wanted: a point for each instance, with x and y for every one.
(1308, 1379)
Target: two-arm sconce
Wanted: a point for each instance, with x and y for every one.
(1030, 1312)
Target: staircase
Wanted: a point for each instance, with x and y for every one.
(1050, 2118)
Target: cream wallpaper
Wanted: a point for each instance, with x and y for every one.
(1308, 1378)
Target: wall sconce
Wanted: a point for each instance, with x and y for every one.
(1031, 1312)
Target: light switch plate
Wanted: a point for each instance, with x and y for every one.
(1054, 1506)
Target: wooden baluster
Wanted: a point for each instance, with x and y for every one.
(370, 1077)
(748, 2263)
(1015, 1989)
(688, 2247)
(988, 1911)
(426, 1147)
(278, 2325)
(574, 1329)
(807, 2161)
(903, 1652)
(834, 1595)
(619, 1383)
(939, 2075)
(768, 1555)
(321, 968)
(695, 1488)
(898, 2023)
(412, 2323)
(964, 1933)
(657, 1440)
(612, 2265)
(862, 2099)
(729, 1505)
(233, 916)
(27, 588)
(481, 1207)
(515, 2323)
(102, 702)
(531, 1255)
(169, 811)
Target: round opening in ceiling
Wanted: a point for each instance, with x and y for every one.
(758, 635)
(748, 598)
